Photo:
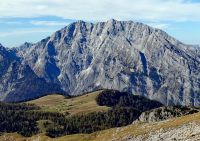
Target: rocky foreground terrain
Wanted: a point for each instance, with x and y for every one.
(186, 132)
(185, 128)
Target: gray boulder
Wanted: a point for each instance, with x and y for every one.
(164, 113)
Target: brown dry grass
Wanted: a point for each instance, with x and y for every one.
(76, 105)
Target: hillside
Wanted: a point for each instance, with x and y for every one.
(56, 116)
(101, 115)
(75, 105)
(85, 117)
(183, 128)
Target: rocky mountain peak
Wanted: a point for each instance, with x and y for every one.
(112, 21)
(1, 47)
(121, 55)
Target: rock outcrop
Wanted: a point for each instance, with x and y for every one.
(164, 113)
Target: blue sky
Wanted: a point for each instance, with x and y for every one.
(32, 20)
(16, 31)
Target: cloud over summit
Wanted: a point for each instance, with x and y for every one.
(160, 10)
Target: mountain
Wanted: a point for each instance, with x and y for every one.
(18, 81)
(122, 55)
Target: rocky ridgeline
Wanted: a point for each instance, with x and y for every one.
(18, 82)
(121, 55)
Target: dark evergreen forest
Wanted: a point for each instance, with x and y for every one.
(125, 108)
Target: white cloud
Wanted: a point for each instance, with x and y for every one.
(11, 22)
(48, 23)
(159, 25)
(151, 10)
(25, 32)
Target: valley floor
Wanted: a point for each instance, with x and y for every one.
(182, 128)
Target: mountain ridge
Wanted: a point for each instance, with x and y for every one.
(18, 81)
(121, 55)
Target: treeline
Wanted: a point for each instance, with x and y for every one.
(96, 121)
(24, 120)
(114, 98)
(13, 119)
(125, 108)
(13, 106)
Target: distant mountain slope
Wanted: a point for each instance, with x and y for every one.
(121, 55)
(18, 81)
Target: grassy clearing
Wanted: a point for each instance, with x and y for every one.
(114, 133)
(76, 105)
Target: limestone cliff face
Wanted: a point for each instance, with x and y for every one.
(18, 82)
(121, 55)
